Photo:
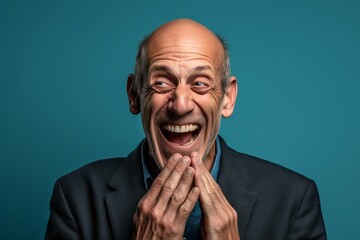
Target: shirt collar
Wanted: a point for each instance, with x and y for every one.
(147, 176)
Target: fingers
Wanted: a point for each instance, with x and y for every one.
(163, 211)
(179, 202)
(172, 183)
(189, 204)
(220, 219)
(211, 196)
(170, 189)
(210, 192)
(202, 175)
(158, 183)
(181, 192)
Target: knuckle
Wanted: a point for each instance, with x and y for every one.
(178, 171)
(169, 228)
(184, 210)
(177, 197)
(212, 191)
(168, 187)
(168, 167)
(141, 212)
(158, 182)
(222, 223)
(221, 226)
(172, 229)
(154, 215)
(215, 187)
(226, 223)
(141, 207)
(185, 179)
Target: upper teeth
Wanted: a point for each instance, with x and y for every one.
(181, 129)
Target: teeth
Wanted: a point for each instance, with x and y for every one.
(181, 129)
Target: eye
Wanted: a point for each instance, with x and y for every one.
(162, 84)
(201, 85)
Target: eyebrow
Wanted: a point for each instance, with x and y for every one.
(160, 68)
(202, 68)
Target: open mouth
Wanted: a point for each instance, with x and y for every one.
(182, 135)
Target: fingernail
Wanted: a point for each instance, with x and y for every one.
(195, 190)
(184, 160)
(188, 171)
(177, 158)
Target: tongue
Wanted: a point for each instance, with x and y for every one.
(179, 138)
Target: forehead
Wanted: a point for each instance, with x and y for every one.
(186, 42)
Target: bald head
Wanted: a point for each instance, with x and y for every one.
(183, 31)
(182, 24)
(185, 36)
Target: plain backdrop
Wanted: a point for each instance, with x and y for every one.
(63, 72)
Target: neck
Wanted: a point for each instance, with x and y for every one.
(210, 158)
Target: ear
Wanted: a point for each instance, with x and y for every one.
(134, 101)
(230, 98)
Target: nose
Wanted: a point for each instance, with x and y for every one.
(181, 101)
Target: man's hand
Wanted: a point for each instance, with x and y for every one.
(219, 218)
(163, 211)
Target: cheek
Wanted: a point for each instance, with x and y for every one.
(216, 96)
(211, 106)
(152, 104)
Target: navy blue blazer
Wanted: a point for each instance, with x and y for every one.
(99, 200)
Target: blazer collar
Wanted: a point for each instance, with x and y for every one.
(234, 181)
(127, 188)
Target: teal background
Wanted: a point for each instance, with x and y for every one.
(63, 71)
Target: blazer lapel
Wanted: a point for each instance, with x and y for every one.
(234, 182)
(126, 191)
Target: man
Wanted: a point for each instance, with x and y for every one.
(182, 181)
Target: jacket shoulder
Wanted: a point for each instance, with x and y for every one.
(260, 172)
(95, 173)
(262, 168)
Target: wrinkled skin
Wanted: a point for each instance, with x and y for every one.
(183, 93)
(163, 211)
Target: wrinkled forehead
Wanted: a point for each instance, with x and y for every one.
(186, 38)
